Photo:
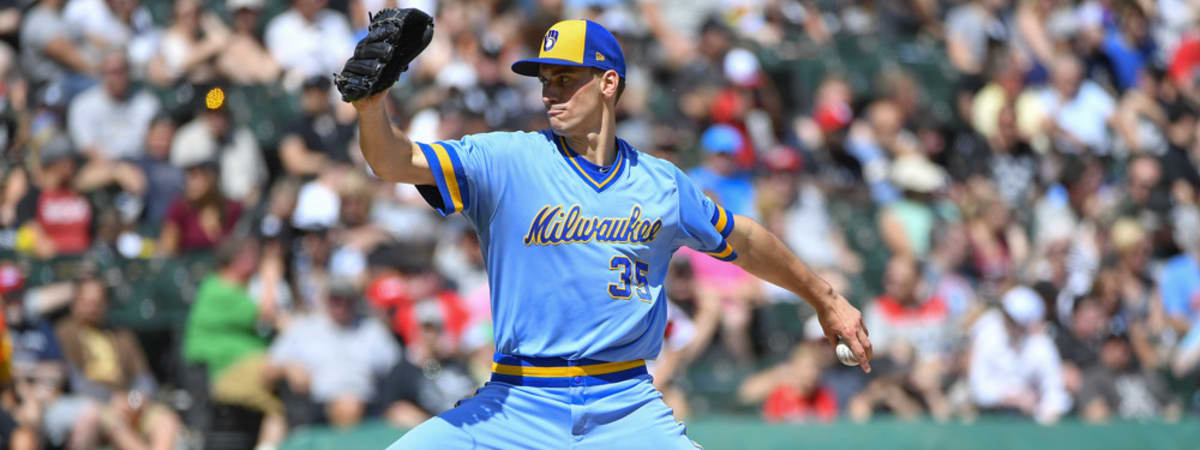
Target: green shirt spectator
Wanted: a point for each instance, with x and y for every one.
(223, 325)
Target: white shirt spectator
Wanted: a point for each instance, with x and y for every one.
(115, 126)
(342, 361)
(306, 48)
(999, 369)
(243, 169)
(94, 18)
(1085, 117)
(42, 26)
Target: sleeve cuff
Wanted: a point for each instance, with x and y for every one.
(448, 171)
(724, 252)
(722, 220)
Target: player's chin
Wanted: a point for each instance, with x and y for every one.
(558, 125)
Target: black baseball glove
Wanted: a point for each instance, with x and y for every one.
(394, 37)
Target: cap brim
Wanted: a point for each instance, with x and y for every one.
(530, 67)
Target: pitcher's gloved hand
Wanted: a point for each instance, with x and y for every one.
(394, 37)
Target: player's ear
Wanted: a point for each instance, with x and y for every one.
(610, 84)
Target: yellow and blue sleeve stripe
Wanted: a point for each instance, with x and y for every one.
(452, 183)
(722, 221)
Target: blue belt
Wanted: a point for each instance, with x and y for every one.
(558, 372)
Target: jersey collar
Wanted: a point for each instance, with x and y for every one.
(598, 177)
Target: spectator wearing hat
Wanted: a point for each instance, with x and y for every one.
(215, 136)
(110, 121)
(225, 332)
(720, 176)
(108, 366)
(53, 52)
(448, 380)
(1014, 365)
(202, 217)
(335, 356)
(309, 40)
(907, 224)
(318, 139)
(245, 61)
(189, 46)
(55, 218)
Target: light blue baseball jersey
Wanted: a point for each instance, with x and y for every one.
(576, 253)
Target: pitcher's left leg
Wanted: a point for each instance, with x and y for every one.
(630, 415)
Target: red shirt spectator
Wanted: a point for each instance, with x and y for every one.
(202, 216)
(61, 216)
(65, 218)
(396, 296)
(194, 233)
(785, 403)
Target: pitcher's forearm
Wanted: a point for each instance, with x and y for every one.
(389, 152)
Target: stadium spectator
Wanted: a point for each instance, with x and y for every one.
(1117, 388)
(164, 181)
(200, 218)
(431, 376)
(401, 285)
(971, 27)
(1179, 286)
(52, 52)
(244, 59)
(1078, 111)
(225, 334)
(214, 135)
(110, 121)
(309, 40)
(1080, 343)
(1014, 365)
(1129, 46)
(791, 391)
(689, 333)
(55, 219)
(907, 224)
(36, 361)
(719, 176)
(913, 332)
(356, 236)
(318, 139)
(116, 25)
(189, 46)
(795, 207)
(107, 366)
(340, 353)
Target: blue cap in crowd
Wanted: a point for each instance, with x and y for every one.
(721, 138)
(579, 43)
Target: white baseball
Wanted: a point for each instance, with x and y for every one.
(845, 355)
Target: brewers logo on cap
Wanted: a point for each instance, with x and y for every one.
(579, 43)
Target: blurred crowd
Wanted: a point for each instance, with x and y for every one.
(194, 249)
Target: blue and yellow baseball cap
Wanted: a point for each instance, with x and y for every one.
(580, 43)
